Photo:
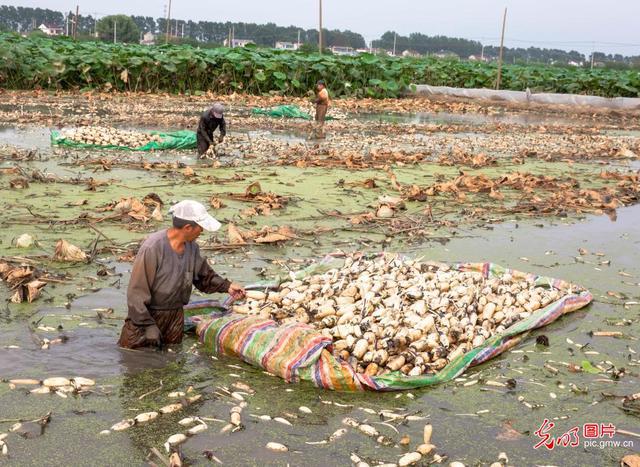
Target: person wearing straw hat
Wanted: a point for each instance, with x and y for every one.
(211, 120)
(164, 272)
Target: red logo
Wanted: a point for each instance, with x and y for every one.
(571, 438)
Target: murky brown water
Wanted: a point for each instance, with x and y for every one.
(469, 421)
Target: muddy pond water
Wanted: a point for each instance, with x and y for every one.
(472, 422)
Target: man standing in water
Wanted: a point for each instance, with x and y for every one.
(164, 272)
(322, 105)
(209, 122)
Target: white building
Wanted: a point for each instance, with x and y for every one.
(410, 53)
(51, 30)
(238, 42)
(148, 39)
(287, 45)
(342, 50)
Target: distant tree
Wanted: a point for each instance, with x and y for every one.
(308, 48)
(37, 33)
(145, 23)
(126, 29)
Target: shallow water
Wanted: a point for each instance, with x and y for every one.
(547, 247)
(470, 118)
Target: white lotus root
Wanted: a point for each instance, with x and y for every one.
(391, 314)
(103, 136)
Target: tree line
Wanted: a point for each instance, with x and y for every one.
(211, 33)
(23, 19)
(465, 48)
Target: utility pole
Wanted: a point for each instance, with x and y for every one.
(320, 29)
(75, 24)
(504, 22)
(482, 54)
(168, 22)
(67, 24)
(593, 46)
(233, 35)
(182, 30)
(298, 38)
(395, 37)
(115, 30)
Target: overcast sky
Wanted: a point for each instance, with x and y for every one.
(566, 24)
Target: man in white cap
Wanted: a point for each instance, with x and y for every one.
(164, 272)
(209, 122)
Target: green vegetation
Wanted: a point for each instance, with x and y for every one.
(66, 64)
(119, 27)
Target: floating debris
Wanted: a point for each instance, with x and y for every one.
(123, 425)
(242, 386)
(237, 396)
(277, 447)
(284, 421)
(368, 430)
(427, 433)
(79, 381)
(187, 421)
(26, 382)
(56, 382)
(236, 419)
(339, 433)
(409, 459)
(24, 241)
(65, 251)
(170, 408)
(146, 417)
(174, 440)
(197, 429)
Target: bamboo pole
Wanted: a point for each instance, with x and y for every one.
(320, 29)
(166, 40)
(504, 22)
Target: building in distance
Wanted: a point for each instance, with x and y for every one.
(148, 39)
(238, 42)
(287, 45)
(51, 30)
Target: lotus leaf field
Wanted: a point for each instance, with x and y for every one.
(64, 64)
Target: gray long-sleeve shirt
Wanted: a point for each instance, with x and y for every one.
(161, 279)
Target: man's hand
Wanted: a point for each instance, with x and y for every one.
(236, 291)
(152, 335)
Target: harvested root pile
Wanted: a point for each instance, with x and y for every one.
(392, 314)
(103, 136)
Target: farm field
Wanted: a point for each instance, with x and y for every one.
(547, 191)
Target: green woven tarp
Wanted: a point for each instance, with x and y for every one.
(284, 111)
(300, 352)
(182, 139)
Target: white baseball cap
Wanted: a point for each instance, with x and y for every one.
(190, 210)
